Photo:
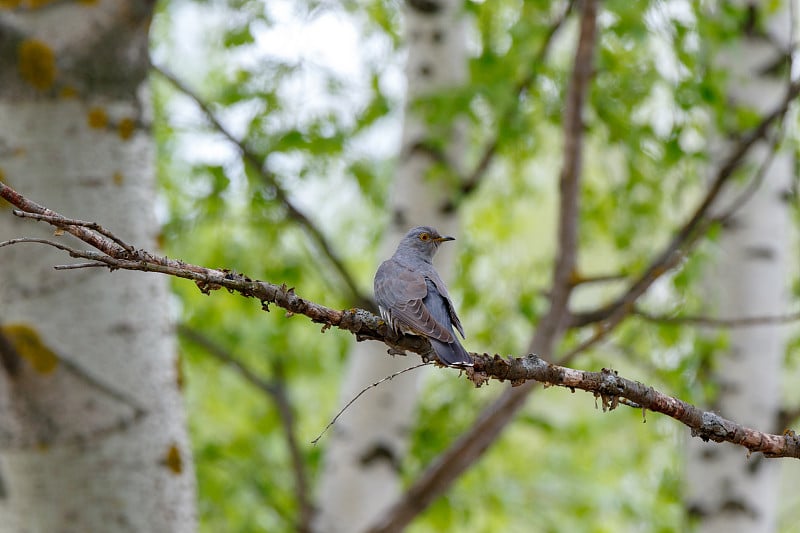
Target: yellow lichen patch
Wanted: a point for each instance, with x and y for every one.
(173, 460)
(9, 4)
(118, 178)
(97, 117)
(125, 128)
(88, 2)
(37, 63)
(68, 91)
(29, 345)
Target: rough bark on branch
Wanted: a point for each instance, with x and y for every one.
(606, 385)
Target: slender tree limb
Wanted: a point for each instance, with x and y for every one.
(711, 322)
(276, 391)
(76, 266)
(471, 445)
(472, 180)
(256, 162)
(61, 222)
(604, 278)
(71, 251)
(752, 187)
(85, 234)
(606, 385)
(695, 226)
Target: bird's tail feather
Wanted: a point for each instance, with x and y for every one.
(451, 353)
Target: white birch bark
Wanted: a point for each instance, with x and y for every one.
(96, 441)
(360, 479)
(727, 491)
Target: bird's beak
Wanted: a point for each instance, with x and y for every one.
(444, 239)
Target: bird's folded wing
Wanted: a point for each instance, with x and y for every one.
(400, 291)
(415, 316)
(449, 315)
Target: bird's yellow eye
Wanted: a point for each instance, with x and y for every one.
(424, 236)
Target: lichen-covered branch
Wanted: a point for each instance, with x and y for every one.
(114, 253)
(610, 388)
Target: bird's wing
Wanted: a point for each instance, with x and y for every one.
(451, 311)
(440, 308)
(401, 294)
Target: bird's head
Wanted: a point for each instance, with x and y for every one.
(424, 241)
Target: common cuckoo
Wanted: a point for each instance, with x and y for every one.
(412, 298)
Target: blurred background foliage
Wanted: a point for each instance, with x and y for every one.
(315, 90)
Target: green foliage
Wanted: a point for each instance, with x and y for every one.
(564, 465)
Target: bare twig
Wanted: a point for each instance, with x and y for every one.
(276, 391)
(726, 214)
(440, 475)
(606, 385)
(75, 266)
(71, 251)
(710, 322)
(357, 396)
(256, 162)
(62, 222)
(87, 235)
(605, 278)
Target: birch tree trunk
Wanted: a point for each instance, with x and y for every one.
(360, 479)
(728, 491)
(92, 427)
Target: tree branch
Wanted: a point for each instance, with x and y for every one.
(710, 322)
(696, 226)
(256, 162)
(606, 385)
(276, 391)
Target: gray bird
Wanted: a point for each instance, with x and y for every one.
(412, 298)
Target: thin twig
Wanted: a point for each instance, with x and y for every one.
(256, 162)
(61, 222)
(71, 251)
(754, 183)
(710, 322)
(76, 266)
(88, 236)
(275, 390)
(357, 396)
(604, 278)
